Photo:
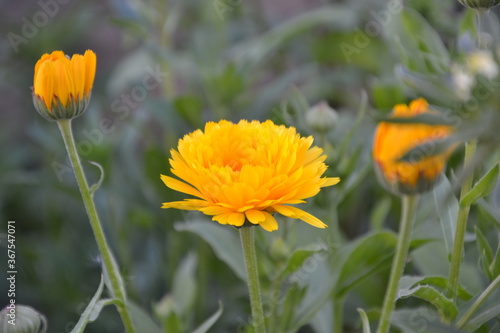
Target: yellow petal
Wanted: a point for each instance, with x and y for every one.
(255, 216)
(214, 210)
(236, 219)
(78, 67)
(270, 223)
(90, 67)
(330, 181)
(185, 205)
(177, 185)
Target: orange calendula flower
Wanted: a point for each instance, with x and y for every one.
(62, 85)
(243, 173)
(394, 140)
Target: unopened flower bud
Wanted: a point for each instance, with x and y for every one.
(394, 140)
(20, 318)
(62, 85)
(479, 4)
(321, 117)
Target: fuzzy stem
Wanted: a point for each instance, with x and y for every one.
(463, 214)
(398, 264)
(248, 244)
(338, 315)
(110, 266)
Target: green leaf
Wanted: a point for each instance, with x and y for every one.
(223, 240)
(296, 260)
(315, 294)
(482, 188)
(142, 320)
(428, 149)
(85, 317)
(485, 314)
(96, 186)
(446, 205)
(431, 86)
(386, 95)
(425, 38)
(227, 85)
(189, 107)
(379, 213)
(445, 306)
(184, 285)
(423, 118)
(207, 324)
(420, 320)
(488, 213)
(364, 321)
(495, 265)
(419, 45)
(252, 52)
(468, 22)
(485, 252)
(364, 260)
(172, 323)
(409, 282)
(293, 296)
(100, 305)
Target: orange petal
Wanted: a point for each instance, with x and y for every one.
(255, 216)
(179, 186)
(270, 223)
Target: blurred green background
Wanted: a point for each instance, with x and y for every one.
(212, 59)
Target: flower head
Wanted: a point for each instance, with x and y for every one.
(479, 4)
(393, 140)
(62, 85)
(246, 172)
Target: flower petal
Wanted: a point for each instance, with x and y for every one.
(270, 223)
(255, 216)
(179, 186)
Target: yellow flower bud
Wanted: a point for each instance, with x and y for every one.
(62, 85)
(479, 4)
(394, 140)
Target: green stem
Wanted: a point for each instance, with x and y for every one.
(110, 266)
(338, 314)
(463, 214)
(248, 244)
(398, 264)
(479, 301)
(480, 15)
(275, 300)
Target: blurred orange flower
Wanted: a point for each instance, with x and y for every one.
(394, 140)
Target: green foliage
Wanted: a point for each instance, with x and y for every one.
(483, 187)
(252, 60)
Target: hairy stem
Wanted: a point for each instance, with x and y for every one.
(110, 266)
(398, 263)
